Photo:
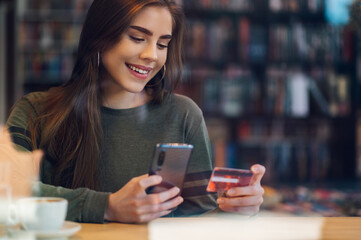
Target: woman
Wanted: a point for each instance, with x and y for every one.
(99, 129)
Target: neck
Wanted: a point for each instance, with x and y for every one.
(124, 100)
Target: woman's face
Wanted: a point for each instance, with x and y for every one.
(141, 51)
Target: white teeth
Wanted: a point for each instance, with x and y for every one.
(138, 70)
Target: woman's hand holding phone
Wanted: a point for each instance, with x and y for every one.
(245, 200)
(131, 204)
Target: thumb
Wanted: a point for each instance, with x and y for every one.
(149, 181)
(258, 172)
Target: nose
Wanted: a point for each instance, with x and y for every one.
(149, 52)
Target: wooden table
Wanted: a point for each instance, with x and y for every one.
(110, 231)
(337, 228)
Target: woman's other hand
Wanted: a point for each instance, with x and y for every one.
(131, 204)
(245, 200)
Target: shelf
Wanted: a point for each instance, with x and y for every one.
(267, 142)
(51, 15)
(56, 48)
(302, 64)
(314, 118)
(264, 17)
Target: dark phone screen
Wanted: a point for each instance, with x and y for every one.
(170, 160)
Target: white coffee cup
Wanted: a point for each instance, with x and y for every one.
(41, 213)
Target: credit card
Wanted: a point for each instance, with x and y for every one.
(223, 179)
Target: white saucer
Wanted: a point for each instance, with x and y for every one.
(68, 229)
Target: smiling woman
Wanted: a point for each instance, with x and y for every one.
(138, 56)
(98, 130)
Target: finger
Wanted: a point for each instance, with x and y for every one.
(245, 191)
(144, 176)
(158, 198)
(146, 181)
(258, 172)
(241, 201)
(169, 194)
(168, 205)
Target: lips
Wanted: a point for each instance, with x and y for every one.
(139, 68)
(139, 71)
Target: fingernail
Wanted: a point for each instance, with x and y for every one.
(256, 169)
(157, 178)
(220, 201)
(177, 190)
(180, 199)
(230, 192)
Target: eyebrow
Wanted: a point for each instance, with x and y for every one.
(146, 31)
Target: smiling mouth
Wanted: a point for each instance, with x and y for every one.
(138, 70)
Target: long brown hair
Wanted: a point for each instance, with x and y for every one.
(69, 127)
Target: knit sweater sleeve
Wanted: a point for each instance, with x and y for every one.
(85, 205)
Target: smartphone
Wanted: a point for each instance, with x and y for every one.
(170, 160)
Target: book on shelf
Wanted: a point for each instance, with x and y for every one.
(276, 99)
(244, 39)
(80, 6)
(218, 131)
(230, 93)
(295, 6)
(318, 96)
(239, 92)
(310, 43)
(229, 5)
(252, 41)
(231, 96)
(298, 86)
(211, 94)
(289, 93)
(286, 151)
(258, 44)
(209, 40)
(235, 91)
(343, 95)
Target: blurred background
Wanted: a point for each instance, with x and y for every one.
(278, 82)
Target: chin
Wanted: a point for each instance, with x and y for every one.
(135, 89)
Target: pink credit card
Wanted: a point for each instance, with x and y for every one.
(223, 179)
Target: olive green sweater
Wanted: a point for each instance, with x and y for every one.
(129, 139)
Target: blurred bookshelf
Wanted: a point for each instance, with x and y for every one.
(278, 86)
(47, 37)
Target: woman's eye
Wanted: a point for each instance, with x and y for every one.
(136, 39)
(162, 46)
